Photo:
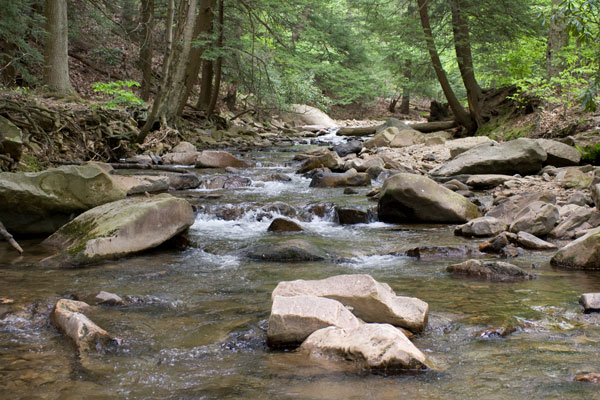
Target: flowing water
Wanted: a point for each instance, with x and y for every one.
(196, 330)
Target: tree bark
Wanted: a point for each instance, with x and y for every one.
(405, 104)
(557, 39)
(205, 85)
(146, 48)
(461, 115)
(462, 46)
(204, 24)
(219, 64)
(56, 60)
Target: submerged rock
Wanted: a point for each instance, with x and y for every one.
(490, 270)
(284, 225)
(370, 300)
(583, 253)
(427, 253)
(519, 156)
(101, 298)
(41, 202)
(590, 302)
(67, 316)
(374, 346)
(416, 198)
(118, 229)
(294, 318)
(287, 251)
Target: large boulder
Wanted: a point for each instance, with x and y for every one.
(346, 179)
(559, 154)
(459, 146)
(294, 318)
(480, 227)
(507, 208)
(11, 139)
(119, 229)
(184, 147)
(583, 253)
(41, 202)
(328, 160)
(490, 270)
(370, 300)
(537, 218)
(416, 198)
(293, 250)
(573, 177)
(519, 156)
(579, 219)
(394, 137)
(374, 346)
(219, 159)
(68, 316)
(311, 116)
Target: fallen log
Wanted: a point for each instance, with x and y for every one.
(428, 127)
(357, 131)
(9, 238)
(166, 168)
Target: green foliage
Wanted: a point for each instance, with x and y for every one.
(590, 154)
(118, 93)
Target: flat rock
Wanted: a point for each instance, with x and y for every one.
(519, 156)
(183, 181)
(537, 218)
(184, 158)
(459, 146)
(294, 318)
(284, 225)
(481, 227)
(373, 346)
(68, 317)
(219, 159)
(529, 241)
(583, 253)
(136, 184)
(490, 270)
(370, 300)
(119, 229)
(416, 198)
(293, 250)
(487, 181)
(590, 302)
(41, 202)
(559, 154)
(350, 178)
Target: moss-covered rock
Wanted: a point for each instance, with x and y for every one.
(119, 229)
(40, 203)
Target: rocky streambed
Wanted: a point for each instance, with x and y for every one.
(193, 323)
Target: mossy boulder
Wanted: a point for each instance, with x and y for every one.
(416, 198)
(119, 229)
(40, 203)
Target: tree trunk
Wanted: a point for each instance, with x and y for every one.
(127, 16)
(165, 105)
(219, 64)
(557, 39)
(56, 58)
(204, 24)
(392, 105)
(462, 116)
(405, 104)
(206, 84)
(146, 48)
(462, 45)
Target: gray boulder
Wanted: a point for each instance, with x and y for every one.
(308, 115)
(182, 158)
(287, 251)
(373, 346)
(559, 154)
(579, 219)
(394, 137)
(519, 156)
(351, 147)
(583, 253)
(119, 229)
(537, 218)
(184, 147)
(294, 318)
(459, 146)
(506, 209)
(328, 160)
(41, 202)
(370, 300)
(480, 227)
(490, 270)
(590, 302)
(346, 179)
(573, 177)
(136, 184)
(416, 198)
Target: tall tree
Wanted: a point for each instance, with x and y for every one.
(219, 63)
(56, 60)
(557, 39)
(146, 47)
(461, 115)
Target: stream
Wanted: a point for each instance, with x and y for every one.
(197, 328)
